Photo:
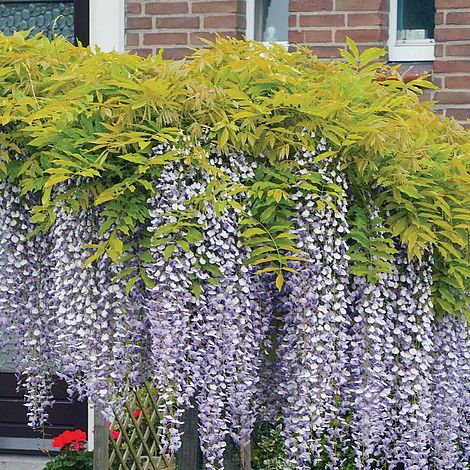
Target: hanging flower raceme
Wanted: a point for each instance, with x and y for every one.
(411, 310)
(450, 418)
(98, 340)
(312, 352)
(370, 391)
(206, 323)
(24, 303)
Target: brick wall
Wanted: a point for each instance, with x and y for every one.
(324, 24)
(178, 25)
(452, 65)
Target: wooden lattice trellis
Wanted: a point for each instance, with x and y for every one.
(132, 441)
(133, 435)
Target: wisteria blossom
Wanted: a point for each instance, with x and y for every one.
(450, 418)
(24, 304)
(358, 374)
(312, 355)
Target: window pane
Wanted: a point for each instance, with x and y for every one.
(271, 20)
(415, 19)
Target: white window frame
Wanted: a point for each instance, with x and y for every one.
(406, 50)
(250, 23)
(107, 25)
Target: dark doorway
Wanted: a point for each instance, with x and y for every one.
(16, 436)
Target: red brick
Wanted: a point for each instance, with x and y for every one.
(134, 8)
(178, 22)
(439, 50)
(221, 6)
(359, 5)
(460, 114)
(141, 52)
(170, 39)
(451, 66)
(413, 74)
(452, 34)
(462, 50)
(319, 35)
(439, 18)
(139, 23)
(223, 21)
(360, 35)
(195, 38)
(458, 17)
(460, 82)
(438, 81)
(177, 53)
(324, 52)
(367, 19)
(453, 97)
(310, 5)
(448, 4)
(132, 39)
(292, 20)
(321, 20)
(166, 8)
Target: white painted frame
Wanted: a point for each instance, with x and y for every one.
(250, 23)
(250, 19)
(107, 25)
(91, 428)
(406, 50)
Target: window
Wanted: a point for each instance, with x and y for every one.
(411, 31)
(267, 20)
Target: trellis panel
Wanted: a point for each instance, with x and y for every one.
(133, 437)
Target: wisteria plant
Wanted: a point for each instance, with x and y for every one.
(277, 241)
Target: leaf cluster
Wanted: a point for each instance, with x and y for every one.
(71, 460)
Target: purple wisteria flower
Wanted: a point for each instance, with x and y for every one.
(24, 302)
(357, 373)
(312, 355)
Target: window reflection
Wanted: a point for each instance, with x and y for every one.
(271, 20)
(415, 20)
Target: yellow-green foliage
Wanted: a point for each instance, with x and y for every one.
(67, 114)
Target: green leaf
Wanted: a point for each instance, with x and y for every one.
(123, 273)
(131, 283)
(324, 155)
(147, 281)
(56, 180)
(194, 236)
(269, 269)
(279, 281)
(197, 289)
(183, 244)
(253, 231)
(168, 251)
(352, 47)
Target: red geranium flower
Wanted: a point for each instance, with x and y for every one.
(70, 440)
(114, 433)
(137, 413)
